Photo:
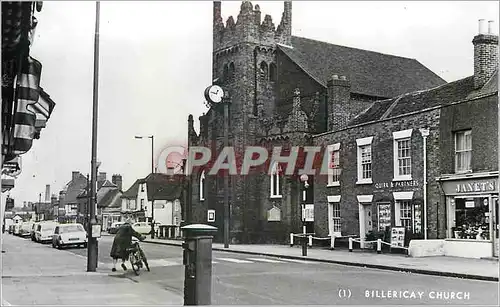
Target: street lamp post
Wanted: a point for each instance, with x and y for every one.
(152, 172)
(425, 134)
(37, 211)
(304, 179)
(92, 241)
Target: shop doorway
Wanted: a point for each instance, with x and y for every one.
(496, 225)
(365, 220)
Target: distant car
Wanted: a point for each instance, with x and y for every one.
(142, 227)
(69, 234)
(25, 229)
(17, 229)
(33, 230)
(11, 229)
(45, 231)
(114, 227)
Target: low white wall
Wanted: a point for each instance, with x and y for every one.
(468, 248)
(426, 248)
(450, 247)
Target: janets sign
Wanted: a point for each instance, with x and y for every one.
(471, 186)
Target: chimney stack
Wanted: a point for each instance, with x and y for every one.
(485, 54)
(47, 193)
(117, 180)
(74, 175)
(170, 170)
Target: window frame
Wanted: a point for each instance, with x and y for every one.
(361, 143)
(333, 173)
(202, 186)
(401, 136)
(275, 175)
(457, 152)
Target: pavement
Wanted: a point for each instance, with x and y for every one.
(478, 269)
(251, 279)
(37, 274)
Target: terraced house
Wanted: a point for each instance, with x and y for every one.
(285, 90)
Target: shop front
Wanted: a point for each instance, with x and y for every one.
(471, 214)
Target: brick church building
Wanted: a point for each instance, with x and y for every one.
(284, 90)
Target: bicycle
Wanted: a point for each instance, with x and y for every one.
(137, 257)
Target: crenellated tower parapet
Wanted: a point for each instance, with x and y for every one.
(250, 28)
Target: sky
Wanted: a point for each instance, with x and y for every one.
(156, 61)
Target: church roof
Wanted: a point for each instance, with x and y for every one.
(370, 73)
(416, 101)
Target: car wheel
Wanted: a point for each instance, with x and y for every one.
(59, 246)
(53, 245)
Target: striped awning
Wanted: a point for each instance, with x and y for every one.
(27, 95)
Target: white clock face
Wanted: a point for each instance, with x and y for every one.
(215, 93)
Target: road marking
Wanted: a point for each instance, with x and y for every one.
(265, 260)
(234, 260)
(214, 262)
(296, 261)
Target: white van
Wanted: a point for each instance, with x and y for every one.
(45, 231)
(25, 229)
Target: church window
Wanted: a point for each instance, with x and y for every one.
(231, 71)
(263, 70)
(272, 72)
(225, 73)
(275, 181)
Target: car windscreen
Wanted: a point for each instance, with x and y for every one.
(71, 228)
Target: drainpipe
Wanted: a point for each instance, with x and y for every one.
(425, 134)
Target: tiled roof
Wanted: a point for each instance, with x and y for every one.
(132, 191)
(371, 73)
(489, 88)
(111, 199)
(416, 101)
(74, 188)
(164, 187)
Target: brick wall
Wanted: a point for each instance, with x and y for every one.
(481, 117)
(485, 58)
(382, 171)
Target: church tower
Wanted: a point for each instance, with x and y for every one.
(245, 66)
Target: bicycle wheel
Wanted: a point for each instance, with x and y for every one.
(144, 259)
(133, 262)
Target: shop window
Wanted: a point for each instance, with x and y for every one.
(406, 215)
(202, 186)
(142, 204)
(383, 216)
(463, 151)
(275, 181)
(402, 154)
(471, 218)
(334, 165)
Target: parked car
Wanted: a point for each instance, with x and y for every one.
(25, 229)
(114, 227)
(17, 229)
(33, 230)
(142, 227)
(11, 229)
(45, 231)
(69, 234)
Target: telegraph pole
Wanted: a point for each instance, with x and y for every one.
(92, 241)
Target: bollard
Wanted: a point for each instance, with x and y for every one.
(332, 242)
(310, 241)
(350, 244)
(291, 240)
(379, 246)
(197, 258)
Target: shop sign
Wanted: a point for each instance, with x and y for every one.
(470, 186)
(396, 184)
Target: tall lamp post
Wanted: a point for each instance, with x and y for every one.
(37, 211)
(425, 134)
(92, 240)
(304, 178)
(152, 172)
(215, 95)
